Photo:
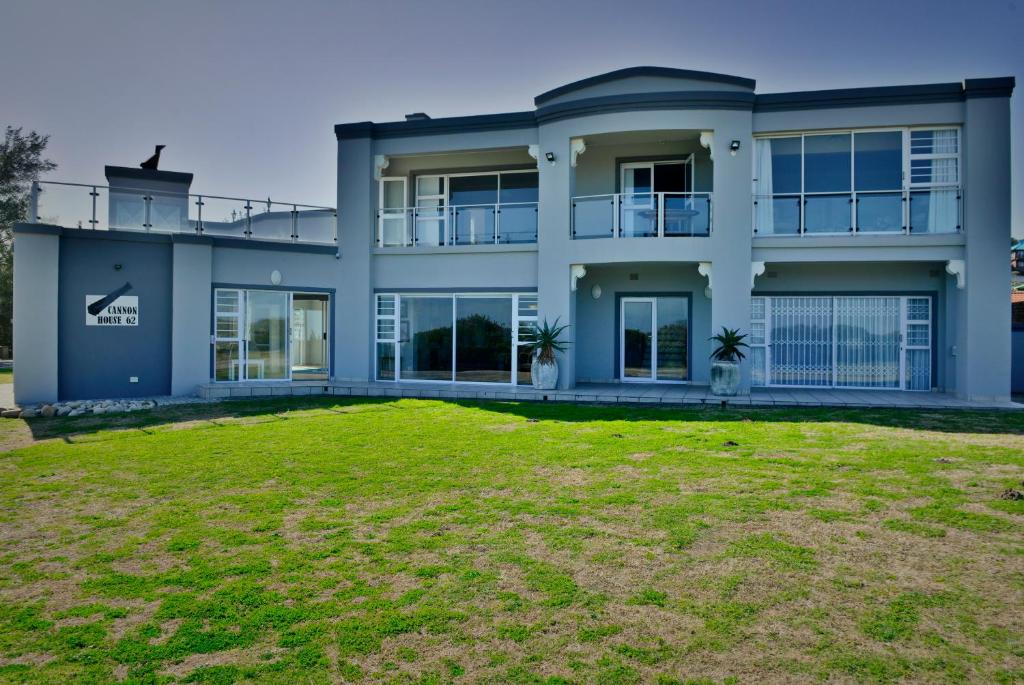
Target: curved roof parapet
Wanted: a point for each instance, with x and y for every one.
(658, 73)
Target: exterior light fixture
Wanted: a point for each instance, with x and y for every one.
(734, 147)
(550, 156)
(275, 277)
(595, 292)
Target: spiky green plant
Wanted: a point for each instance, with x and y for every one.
(547, 341)
(729, 343)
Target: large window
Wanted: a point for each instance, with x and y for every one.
(270, 335)
(459, 209)
(465, 337)
(885, 181)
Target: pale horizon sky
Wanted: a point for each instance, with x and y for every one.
(245, 94)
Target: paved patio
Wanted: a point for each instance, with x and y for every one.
(608, 392)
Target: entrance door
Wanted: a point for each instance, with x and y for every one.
(653, 339)
(251, 335)
(641, 183)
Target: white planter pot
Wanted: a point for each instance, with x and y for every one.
(725, 378)
(544, 376)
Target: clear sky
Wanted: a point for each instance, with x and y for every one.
(245, 94)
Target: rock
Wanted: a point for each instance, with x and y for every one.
(48, 410)
(29, 413)
(11, 413)
(76, 412)
(99, 410)
(64, 411)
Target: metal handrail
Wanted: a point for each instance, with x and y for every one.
(444, 214)
(198, 224)
(906, 195)
(657, 200)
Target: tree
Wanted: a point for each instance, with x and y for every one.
(21, 162)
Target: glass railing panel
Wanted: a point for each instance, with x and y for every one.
(128, 210)
(935, 210)
(687, 214)
(777, 215)
(517, 222)
(72, 206)
(168, 212)
(827, 213)
(317, 226)
(593, 216)
(394, 228)
(429, 226)
(638, 215)
(271, 221)
(880, 212)
(473, 225)
(223, 216)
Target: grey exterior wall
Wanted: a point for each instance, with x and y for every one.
(98, 361)
(190, 302)
(36, 279)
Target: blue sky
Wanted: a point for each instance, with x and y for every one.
(245, 94)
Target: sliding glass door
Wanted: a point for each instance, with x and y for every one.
(869, 342)
(653, 339)
(471, 338)
(266, 335)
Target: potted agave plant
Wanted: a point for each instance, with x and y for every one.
(546, 341)
(725, 367)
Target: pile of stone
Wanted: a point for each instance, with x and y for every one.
(78, 408)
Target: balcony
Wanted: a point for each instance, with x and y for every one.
(98, 207)
(641, 215)
(914, 211)
(505, 223)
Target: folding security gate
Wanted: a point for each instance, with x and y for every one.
(843, 342)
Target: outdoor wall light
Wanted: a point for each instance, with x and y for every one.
(734, 147)
(117, 267)
(595, 292)
(550, 156)
(275, 277)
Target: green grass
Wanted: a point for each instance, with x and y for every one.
(319, 541)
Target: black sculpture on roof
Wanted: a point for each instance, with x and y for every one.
(154, 161)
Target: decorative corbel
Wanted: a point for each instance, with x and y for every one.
(704, 269)
(756, 269)
(707, 140)
(576, 272)
(534, 151)
(380, 163)
(958, 268)
(577, 146)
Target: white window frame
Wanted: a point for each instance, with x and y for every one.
(906, 185)
(653, 300)
(393, 212)
(242, 339)
(520, 324)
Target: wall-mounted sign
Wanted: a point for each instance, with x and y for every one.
(123, 310)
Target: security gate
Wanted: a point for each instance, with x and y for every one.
(842, 342)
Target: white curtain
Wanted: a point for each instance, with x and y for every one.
(764, 219)
(942, 203)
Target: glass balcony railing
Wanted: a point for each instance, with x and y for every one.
(75, 205)
(641, 215)
(918, 211)
(489, 224)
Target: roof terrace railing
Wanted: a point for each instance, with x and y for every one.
(98, 207)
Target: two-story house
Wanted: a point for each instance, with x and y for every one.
(857, 236)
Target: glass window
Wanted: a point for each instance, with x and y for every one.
(785, 177)
(878, 160)
(426, 338)
(473, 190)
(483, 339)
(519, 187)
(673, 326)
(429, 186)
(393, 193)
(827, 163)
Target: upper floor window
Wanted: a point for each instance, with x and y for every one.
(460, 209)
(874, 181)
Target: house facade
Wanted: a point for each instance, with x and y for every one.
(857, 236)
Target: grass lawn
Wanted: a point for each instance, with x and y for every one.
(6, 376)
(429, 542)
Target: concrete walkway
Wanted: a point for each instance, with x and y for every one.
(614, 393)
